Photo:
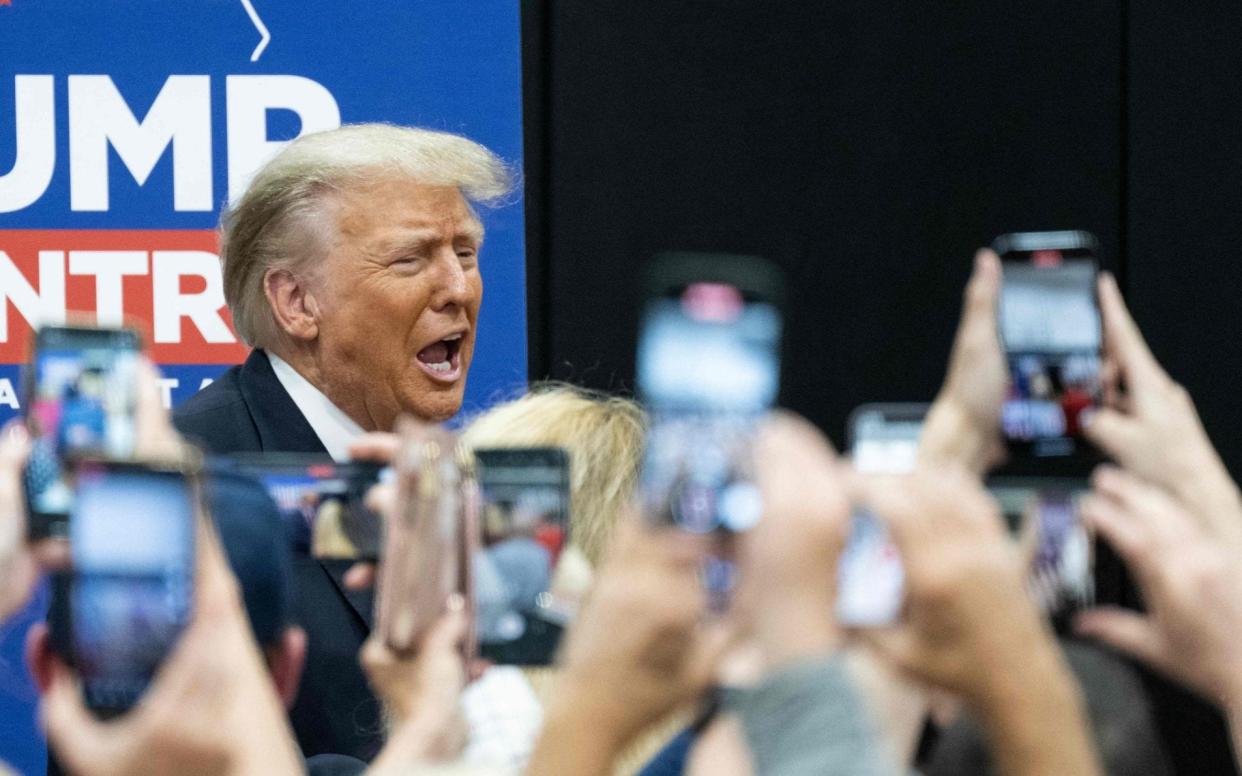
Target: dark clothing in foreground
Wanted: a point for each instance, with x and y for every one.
(247, 410)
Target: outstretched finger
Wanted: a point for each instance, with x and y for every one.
(375, 446)
(1122, 339)
(79, 741)
(977, 329)
(1115, 433)
(1124, 631)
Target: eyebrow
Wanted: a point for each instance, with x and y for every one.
(414, 239)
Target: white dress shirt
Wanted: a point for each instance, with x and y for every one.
(335, 429)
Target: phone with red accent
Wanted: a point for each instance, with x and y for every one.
(1050, 326)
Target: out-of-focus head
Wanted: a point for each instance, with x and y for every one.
(1123, 722)
(257, 548)
(604, 437)
(353, 255)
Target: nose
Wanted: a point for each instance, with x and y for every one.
(453, 288)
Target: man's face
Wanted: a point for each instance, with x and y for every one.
(398, 298)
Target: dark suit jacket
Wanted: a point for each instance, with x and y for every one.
(248, 410)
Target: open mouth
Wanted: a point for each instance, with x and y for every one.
(442, 359)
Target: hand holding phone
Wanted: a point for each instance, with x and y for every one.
(884, 439)
(130, 593)
(212, 691)
(424, 560)
(708, 370)
(1050, 326)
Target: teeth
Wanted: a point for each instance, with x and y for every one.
(441, 366)
(452, 337)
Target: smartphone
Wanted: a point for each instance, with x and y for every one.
(883, 439)
(130, 593)
(81, 395)
(1049, 322)
(425, 546)
(521, 606)
(321, 502)
(1059, 548)
(708, 370)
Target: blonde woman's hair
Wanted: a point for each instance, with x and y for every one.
(604, 437)
(283, 221)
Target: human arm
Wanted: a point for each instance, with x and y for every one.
(637, 650)
(970, 627)
(1149, 424)
(962, 427)
(1191, 583)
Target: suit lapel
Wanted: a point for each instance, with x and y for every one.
(361, 601)
(283, 428)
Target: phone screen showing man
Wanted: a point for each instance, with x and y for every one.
(1050, 325)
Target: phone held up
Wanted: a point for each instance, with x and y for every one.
(81, 396)
(1050, 325)
(427, 548)
(322, 503)
(130, 591)
(883, 439)
(528, 579)
(708, 369)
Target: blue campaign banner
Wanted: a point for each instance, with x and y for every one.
(124, 125)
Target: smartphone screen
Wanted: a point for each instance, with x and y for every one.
(708, 370)
(884, 439)
(528, 580)
(1050, 326)
(133, 551)
(81, 398)
(320, 502)
(1043, 515)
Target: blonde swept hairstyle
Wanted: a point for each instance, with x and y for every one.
(283, 220)
(604, 436)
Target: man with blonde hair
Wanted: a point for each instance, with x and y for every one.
(351, 266)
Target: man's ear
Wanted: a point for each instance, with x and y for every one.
(285, 661)
(293, 304)
(39, 656)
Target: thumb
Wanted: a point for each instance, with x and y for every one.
(1124, 631)
(898, 647)
(79, 740)
(1114, 433)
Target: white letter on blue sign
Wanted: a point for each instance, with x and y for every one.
(47, 305)
(248, 99)
(34, 118)
(99, 116)
(171, 305)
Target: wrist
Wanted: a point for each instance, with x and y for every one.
(951, 437)
(590, 713)
(575, 739)
(793, 629)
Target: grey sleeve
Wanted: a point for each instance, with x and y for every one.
(807, 720)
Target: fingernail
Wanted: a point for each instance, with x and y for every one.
(455, 603)
(18, 432)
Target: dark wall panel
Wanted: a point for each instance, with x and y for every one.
(1184, 220)
(1185, 200)
(866, 148)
